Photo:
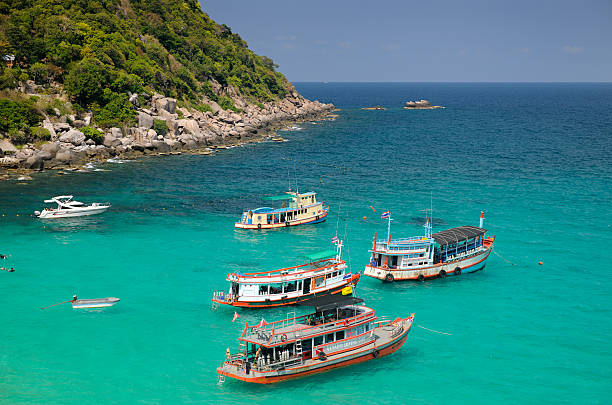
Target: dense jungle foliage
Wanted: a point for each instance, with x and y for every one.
(102, 49)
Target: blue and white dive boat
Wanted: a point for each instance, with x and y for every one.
(451, 252)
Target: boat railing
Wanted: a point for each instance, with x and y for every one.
(222, 296)
(264, 364)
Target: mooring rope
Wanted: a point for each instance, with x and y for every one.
(498, 255)
(436, 331)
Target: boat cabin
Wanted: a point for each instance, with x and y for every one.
(321, 275)
(338, 324)
(296, 209)
(445, 246)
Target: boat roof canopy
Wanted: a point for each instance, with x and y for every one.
(458, 234)
(313, 257)
(279, 197)
(330, 301)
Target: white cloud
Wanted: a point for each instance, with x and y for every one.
(571, 49)
(525, 50)
(321, 42)
(345, 44)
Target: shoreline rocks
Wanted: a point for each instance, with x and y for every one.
(194, 132)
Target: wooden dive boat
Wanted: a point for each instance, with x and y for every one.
(455, 251)
(339, 333)
(298, 209)
(325, 273)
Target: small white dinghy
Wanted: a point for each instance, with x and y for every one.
(95, 302)
(89, 303)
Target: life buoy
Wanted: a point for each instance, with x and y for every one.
(458, 271)
(258, 226)
(283, 338)
(442, 273)
(230, 300)
(375, 353)
(421, 278)
(389, 278)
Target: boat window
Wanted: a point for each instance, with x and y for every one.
(328, 275)
(307, 345)
(360, 329)
(276, 288)
(318, 340)
(334, 274)
(367, 327)
(300, 285)
(340, 335)
(319, 281)
(290, 287)
(329, 338)
(263, 289)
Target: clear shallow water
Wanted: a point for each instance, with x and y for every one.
(535, 157)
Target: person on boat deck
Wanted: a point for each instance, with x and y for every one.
(74, 298)
(227, 353)
(258, 353)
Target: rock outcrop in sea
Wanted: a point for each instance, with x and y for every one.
(420, 105)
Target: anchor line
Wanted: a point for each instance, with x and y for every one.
(436, 331)
(500, 256)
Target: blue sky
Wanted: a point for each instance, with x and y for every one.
(427, 40)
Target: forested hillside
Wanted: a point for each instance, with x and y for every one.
(100, 51)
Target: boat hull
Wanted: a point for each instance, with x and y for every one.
(361, 355)
(73, 212)
(470, 264)
(290, 301)
(310, 220)
(95, 303)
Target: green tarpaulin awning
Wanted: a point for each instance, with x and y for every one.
(279, 197)
(320, 255)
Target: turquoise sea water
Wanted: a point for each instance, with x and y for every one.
(535, 157)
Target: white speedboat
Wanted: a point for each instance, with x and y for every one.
(67, 207)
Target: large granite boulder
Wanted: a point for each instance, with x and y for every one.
(7, 147)
(34, 162)
(51, 148)
(165, 104)
(73, 136)
(161, 146)
(145, 120)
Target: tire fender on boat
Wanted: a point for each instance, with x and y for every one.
(258, 226)
(286, 223)
(375, 353)
(317, 217)
(457, 271)
(421, 278)
(389, 278)
(442, 273)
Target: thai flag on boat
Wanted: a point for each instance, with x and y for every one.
(385, 215)
(347, 276)
(334, 240)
